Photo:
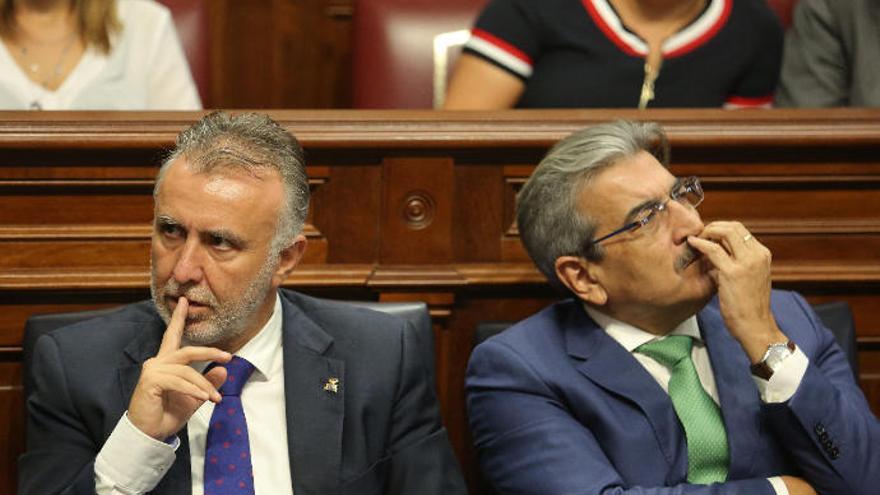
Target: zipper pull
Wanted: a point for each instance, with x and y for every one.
(647, 93)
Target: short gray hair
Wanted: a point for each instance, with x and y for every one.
(548, 217)
(251, 142)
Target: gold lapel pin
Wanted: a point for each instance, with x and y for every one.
(332, 385)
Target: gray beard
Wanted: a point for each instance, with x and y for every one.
(228, 320)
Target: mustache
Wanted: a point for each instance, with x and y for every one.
(687, 257)
(193, 293)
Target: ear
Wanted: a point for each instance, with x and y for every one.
(581, 278)
(289, 258)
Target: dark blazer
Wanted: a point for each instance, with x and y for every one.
(557, 406)
(380, 433)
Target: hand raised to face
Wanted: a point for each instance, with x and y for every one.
(740, 267)
(169, 391)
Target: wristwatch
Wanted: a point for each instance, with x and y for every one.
(773, 358)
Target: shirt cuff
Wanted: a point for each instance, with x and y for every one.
(132, 462)
(785, 381)
(778, 485)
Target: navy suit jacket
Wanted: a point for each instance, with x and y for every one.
(380, 433)
(557, 406)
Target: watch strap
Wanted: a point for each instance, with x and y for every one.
(763, 370)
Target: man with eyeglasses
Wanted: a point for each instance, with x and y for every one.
(673, 369)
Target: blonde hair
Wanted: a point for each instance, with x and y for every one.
(96, 20)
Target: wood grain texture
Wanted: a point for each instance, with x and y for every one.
(413, 205)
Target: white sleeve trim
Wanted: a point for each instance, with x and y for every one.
(500, 55)
(778, 485)
(131, 462)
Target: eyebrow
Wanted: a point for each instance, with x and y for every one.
(225, 234)
(635, 210)
(164, 220)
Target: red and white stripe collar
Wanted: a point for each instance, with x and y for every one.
(695, 34)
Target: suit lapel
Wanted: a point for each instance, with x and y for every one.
(314, 414)
(178, 479)
(740, 402)
(609, 365)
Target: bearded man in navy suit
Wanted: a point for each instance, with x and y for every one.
(673, 368)
(335, 399)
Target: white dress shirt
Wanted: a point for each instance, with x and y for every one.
(145, 70)
(781, 386)
(131, 462)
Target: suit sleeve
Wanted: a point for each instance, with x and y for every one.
(827, 426)
(529, 443)
(507, 34)
(421, 457)
(60, 452)
(814, 71)
(757, 86)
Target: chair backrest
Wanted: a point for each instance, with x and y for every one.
(402, 50)
(191, 18)
(488, 329)
(417, 314)
(38, 325)
(784, 9)
(836, 316)
(414, 312)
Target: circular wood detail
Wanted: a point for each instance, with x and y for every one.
(418, 210)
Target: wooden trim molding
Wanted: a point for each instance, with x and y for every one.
(425, 128)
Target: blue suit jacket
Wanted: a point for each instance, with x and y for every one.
(380, 433)
(557, 406)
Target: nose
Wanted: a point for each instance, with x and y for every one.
(685, 221)
(189, 265)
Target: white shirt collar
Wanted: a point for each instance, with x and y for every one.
(263, 350)
(631, 337)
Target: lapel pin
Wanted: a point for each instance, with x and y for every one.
(332, 385)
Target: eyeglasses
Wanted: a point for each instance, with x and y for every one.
(687, 191)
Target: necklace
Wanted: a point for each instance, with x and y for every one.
(34, 67)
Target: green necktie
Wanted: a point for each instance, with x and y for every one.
(708, 455)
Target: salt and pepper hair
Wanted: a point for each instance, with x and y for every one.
(552, 216)
(252, 143)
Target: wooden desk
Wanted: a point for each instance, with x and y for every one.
(420, 205)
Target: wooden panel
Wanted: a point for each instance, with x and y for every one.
(11, 424)
(479, 214)
(75, 211)
(341, 215)
(283, 54)
(416, 224)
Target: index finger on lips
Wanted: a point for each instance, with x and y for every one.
(174, 333)
(713, 251)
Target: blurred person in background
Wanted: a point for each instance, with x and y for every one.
(619, 53)
(92, 55)
(832, 53)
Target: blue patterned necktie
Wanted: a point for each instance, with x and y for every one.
(708, 452)
(227, 452)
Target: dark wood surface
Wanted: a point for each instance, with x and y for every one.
(420, 206)
(281, 53)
